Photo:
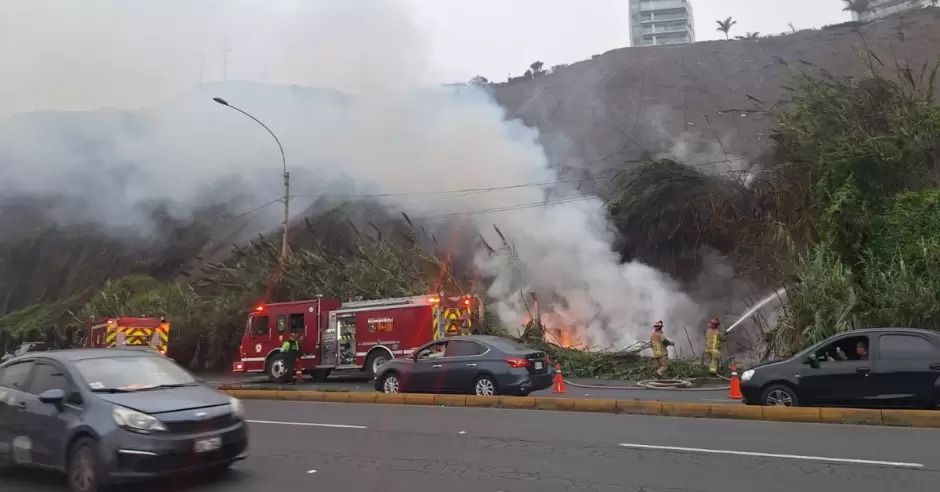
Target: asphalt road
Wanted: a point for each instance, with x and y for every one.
(381, 448)
(345, 383)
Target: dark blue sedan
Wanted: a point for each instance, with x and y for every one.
(481, 365)
(111, 415)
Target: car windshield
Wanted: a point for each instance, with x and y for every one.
(120, 374)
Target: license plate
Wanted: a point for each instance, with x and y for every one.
(207, 445)
(538, 365)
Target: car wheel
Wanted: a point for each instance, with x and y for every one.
(375, 360)
(391, 384)
(83, 466)
(779, 395)
(277, 368)
(484, 386)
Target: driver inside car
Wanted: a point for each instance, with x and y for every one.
(437, 352)
(861, 353)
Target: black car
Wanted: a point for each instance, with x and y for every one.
(482, 365)
(112, 415)
(883, 367)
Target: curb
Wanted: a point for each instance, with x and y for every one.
(857, 416)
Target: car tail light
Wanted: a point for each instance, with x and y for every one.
(516, 362)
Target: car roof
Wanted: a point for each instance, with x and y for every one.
(73, 355)
(866, 331)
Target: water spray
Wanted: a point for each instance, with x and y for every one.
(750, 312)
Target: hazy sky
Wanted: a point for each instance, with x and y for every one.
(72, 55)
(495, 37)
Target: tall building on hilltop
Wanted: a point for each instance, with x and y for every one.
(660, 22)
(883, 8)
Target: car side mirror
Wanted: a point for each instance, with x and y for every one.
(811, 360)
(54, 396)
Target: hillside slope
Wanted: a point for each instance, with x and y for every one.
(682, 99)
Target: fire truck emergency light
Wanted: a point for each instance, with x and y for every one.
(466, 302)
(434, 300)
(259, 308)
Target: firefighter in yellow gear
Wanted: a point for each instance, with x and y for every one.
(658, 343)
(713, 339)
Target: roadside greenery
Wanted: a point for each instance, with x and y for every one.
(863, 157)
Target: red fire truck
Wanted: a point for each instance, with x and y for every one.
(126, 331)
(355, 335)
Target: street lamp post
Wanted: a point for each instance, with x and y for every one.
(284, 251)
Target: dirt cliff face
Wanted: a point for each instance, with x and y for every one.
(697, 101)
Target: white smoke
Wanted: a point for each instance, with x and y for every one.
(418, 145)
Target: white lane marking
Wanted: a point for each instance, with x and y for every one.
(307, 424)
(772, 455)
(311, 472)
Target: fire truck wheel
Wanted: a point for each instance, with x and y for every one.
(276, 368)
(485, 386)
(376, 359)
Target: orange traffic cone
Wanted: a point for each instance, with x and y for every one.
(735, 389)
(559, 381)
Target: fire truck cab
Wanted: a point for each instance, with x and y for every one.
(350, 336)
(126, 331)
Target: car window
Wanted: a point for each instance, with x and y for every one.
(507, 344)
(906, 347)
(47, 377)
(844, 350)
(463, 348)
(435, 350)
(15, 376)
(132, 373)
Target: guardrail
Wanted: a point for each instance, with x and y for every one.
(903, 418)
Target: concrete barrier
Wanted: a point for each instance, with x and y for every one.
(905, 418)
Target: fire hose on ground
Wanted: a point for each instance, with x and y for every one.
(655, 384)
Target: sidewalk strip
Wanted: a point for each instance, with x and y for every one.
(894, 464)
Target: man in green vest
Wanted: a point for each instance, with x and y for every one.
(291, 351)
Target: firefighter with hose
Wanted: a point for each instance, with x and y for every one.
(658, 343)
(713, 339)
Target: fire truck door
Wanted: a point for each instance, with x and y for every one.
(346, 332)
(328, 344)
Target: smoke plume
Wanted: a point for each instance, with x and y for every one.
(444, 155)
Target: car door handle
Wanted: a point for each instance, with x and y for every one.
(864, 370)
(935, 367)
(471, 365)
(436, 365)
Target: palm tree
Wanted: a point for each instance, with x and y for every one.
(750, 35)
(857, 7)
(725, 26)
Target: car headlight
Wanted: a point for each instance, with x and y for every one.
(238, 409)
(747, 375)
(137, 421)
